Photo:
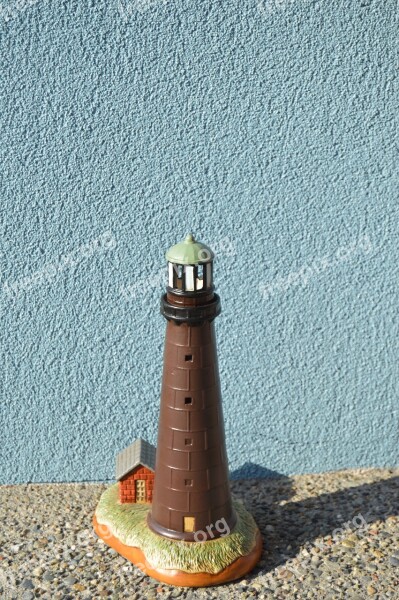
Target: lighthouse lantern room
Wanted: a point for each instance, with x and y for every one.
(189, 267)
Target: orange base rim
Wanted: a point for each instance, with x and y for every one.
(237, 569)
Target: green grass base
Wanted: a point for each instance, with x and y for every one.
(128, 523)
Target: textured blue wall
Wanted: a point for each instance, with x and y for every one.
(269, 131)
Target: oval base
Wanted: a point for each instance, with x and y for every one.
(237, 569)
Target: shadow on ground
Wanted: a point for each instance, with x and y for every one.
(286, 525)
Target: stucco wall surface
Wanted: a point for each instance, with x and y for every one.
(268, 129)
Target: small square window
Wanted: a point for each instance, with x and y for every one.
(188, 442)
(188, 358)
(188, 400)
(188, 482)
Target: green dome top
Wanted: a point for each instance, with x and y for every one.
(189, 252)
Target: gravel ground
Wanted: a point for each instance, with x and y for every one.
(328, 536)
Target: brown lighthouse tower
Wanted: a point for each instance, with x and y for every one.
(191, 489)
(186, 476)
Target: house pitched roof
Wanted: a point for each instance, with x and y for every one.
(138, 453)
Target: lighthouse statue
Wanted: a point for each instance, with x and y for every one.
(171, 511)
(191, 490)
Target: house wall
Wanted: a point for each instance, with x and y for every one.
(268, 128)
(127, 485)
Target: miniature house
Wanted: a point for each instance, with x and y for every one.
(135, 467)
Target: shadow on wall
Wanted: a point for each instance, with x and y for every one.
(250, 470)
(287, 526)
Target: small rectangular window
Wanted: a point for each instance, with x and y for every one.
(170, 278)
(199, 282)
(188, 400)
(188, 442)
(188, 358)
(208, 274)
(189, 273)
(140, 491)
(188, 482)
(178, 278)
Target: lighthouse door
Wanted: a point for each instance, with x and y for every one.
(189, 524)
(140, 491)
